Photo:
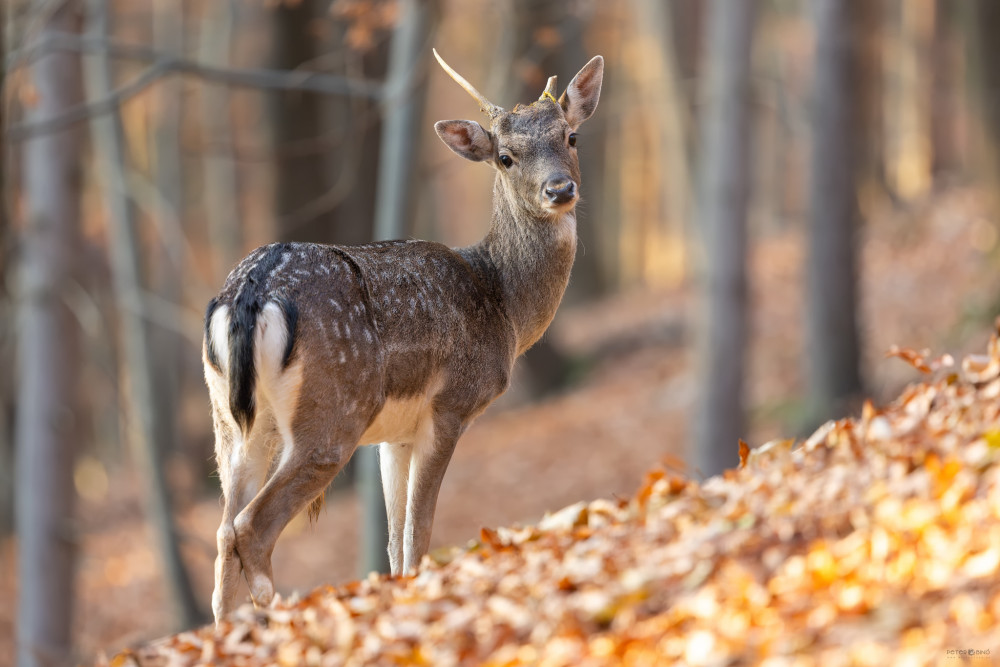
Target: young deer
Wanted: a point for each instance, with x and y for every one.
(311, 350)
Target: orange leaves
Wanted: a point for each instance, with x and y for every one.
(744, 453)
(919, 360)
(876, 538)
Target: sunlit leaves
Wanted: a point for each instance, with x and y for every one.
(876, 541)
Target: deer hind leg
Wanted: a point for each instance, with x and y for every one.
(242, 465)
(305, 470)
(394, 465)
(242, 469)
(427, 467)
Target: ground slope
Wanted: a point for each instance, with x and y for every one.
(876, 541)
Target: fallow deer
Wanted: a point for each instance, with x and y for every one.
(311, 350)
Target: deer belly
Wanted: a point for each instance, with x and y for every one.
(401, 420)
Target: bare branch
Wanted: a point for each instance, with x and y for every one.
(162, 65)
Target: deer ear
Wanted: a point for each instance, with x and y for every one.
(467, 138)
(580, 99)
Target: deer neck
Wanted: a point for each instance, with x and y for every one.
(530, 258)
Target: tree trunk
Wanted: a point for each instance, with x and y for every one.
(982, 19)
(221, 189)
(406, 88)
(49, 357)
(299, 174)
(7, 330)
(168, 174)
(832, 342)
(724, 179)
(144, 433)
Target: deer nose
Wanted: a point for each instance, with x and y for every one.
(560, 190)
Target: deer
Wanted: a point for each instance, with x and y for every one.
(312, 350)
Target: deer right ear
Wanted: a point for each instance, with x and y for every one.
(581, 96)
(467, 138)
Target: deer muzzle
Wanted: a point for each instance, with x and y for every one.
(559, 191)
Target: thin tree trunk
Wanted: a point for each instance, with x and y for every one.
(654, 20)
(982, 20)
(724, 181)
(222, 206)
(145, 434)
(49, 359)
(299, 175)
(907, 110)
(406, 88)
(168, 174)
(832, 343)
(7, 329)
(946, 107)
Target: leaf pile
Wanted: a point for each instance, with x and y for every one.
(875, 542)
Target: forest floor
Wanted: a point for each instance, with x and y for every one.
(928, 280)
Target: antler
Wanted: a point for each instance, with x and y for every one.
(550, 90)
(485, 105)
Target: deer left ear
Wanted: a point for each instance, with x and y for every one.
(580, 99)
(467, 138)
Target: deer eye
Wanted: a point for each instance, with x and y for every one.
(572, 138)
(506, 161)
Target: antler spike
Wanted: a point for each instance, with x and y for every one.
(550, 90)
(485, 105)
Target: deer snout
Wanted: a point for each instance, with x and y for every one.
(559, 190)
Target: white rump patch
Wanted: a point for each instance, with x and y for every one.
(218, 337)
(279, 386)
(270, 337)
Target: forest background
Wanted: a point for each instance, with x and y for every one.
(775, 192)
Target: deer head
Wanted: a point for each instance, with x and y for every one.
(533, 147)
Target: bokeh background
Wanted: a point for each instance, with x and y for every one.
(774, 193)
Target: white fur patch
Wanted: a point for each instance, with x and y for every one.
(405, 420)
(279, 386)
(270, 337)
(218, 337)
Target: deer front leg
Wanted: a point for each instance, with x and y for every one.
(427, 467)
(394, 464)
(296, 482)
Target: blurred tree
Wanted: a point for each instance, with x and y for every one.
(221, 197)
(145, 433)
(946, 103)
(723, 191)
(7, 328)
(832, 339)
(299, 168)
(352, 132)
(982, 20)
(654, 23)
(869, 86)
(403, 104)
(168, 213)
(907, 129)
(48, 353)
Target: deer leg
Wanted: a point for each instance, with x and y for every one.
(296, 482)
(242, 470)
(394, 464)
(427, 466)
